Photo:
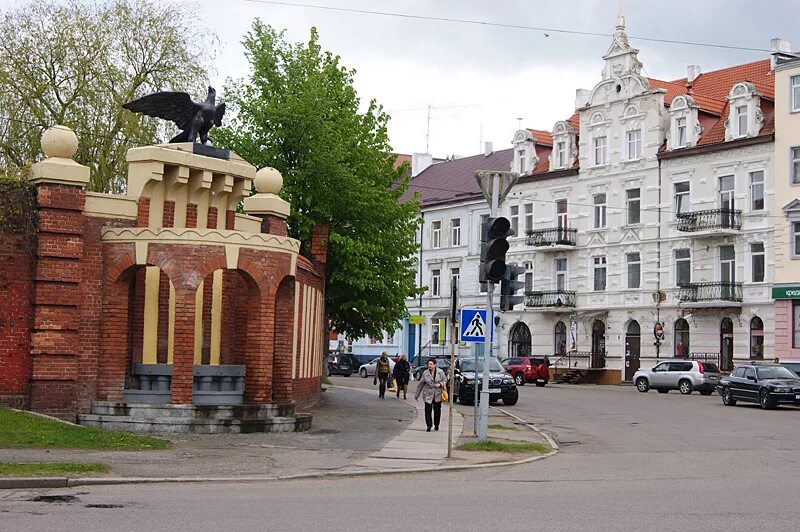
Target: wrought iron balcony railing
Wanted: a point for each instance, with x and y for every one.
(716, 291)
(691, 222)
(555, 236)
(550, 299)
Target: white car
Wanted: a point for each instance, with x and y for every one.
(368, 369)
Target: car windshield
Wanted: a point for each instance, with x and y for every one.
(775, 372)
(469, 365)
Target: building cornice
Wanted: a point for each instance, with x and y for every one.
(722, 146)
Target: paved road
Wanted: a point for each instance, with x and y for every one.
(628, 461)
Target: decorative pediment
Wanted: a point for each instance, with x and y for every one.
(596, 239)
(630, 236)
(792, 209)
(522, 135)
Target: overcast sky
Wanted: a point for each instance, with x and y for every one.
(497, 74)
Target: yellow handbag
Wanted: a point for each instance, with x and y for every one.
(445, 395)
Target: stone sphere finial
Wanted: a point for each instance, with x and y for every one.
(268, 181)
(59, 141)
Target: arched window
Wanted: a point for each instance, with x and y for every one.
(520, 341)
(560, 338)
(681, 338)
(756, 338)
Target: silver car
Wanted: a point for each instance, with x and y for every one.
(683, 375)
(368, 369)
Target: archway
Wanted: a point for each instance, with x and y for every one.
(598, 344)
(756, 338)
(726, 344)
(519, 344)
(633, 337)
(681, 338)
(560, 338)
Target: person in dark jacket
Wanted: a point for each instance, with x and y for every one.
(402, 374)
(382, 370)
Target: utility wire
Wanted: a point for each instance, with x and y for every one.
(499, 24)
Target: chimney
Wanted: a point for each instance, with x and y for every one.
(692, 72)
(582, 98)
(780, 49)
(488, 148)
(419, 162)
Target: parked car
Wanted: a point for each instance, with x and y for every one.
(793, 365)
(342, 364)
(683, 375)
(769, 385)
(501, 384)
(368, 369)
(441, 362)
(528, 369)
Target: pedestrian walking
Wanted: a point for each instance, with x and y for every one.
(382, 370)
(431, 386)
(402, 374)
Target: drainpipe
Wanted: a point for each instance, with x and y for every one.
(419, 285)
(658, 277)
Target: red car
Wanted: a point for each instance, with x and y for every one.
(528, 369)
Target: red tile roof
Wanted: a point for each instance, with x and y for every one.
(542, 137)
(401, 158)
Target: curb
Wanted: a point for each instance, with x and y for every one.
(63, 482)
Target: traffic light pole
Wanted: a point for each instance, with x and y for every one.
(483, 413)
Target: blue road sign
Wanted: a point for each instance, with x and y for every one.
(472, 326)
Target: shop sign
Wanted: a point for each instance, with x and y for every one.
(786, 292)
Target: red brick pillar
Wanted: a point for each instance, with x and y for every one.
(319, 247)
(283, 336)
(191, 215)
(259, 342)
(208, 299)
(273, 225)
(162, 341)
(183, 353)
(212, 218)
(230, 220)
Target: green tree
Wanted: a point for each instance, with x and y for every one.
(298, 112)
(76, 63)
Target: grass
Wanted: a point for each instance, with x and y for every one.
(45, 469)
(20, 429)
(326, 380)
(498, 426)
(515, 447)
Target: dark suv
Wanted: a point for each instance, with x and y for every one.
(342, 364)
(769, 385)
(501, 385)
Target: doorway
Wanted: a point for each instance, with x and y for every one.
(633, 341)
(598, 345)
(520, 341)
(726, 344)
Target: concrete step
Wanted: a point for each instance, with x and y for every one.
(173, 425)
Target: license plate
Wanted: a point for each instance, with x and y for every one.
(494, 390)
(797, 397)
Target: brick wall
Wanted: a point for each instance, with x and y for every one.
(16, 319)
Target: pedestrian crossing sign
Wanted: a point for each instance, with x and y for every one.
(472, 326)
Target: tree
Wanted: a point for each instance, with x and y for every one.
(76, 63)
(298, 112)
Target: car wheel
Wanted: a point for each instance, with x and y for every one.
(541, 384)
(663, 390)
(347, 374)
(519, 379)
(363, 373)
(727, 398)
(706, 392)
(511, 400)
(642, 385)
(685, 387)
(767, 402)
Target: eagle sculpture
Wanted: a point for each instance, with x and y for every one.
(194, 119)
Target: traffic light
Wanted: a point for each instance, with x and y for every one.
(494, 245)
(509, 286)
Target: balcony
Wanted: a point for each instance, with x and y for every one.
(716, 294)
(555, 238)
(710, 222)
(552, 300)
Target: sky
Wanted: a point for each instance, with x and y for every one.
(481, 80)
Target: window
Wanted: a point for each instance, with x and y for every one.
(436, 330)
(560, 338)
(483, 219)
(749, 372)
(757, 191)
(561, 154)
(756, 338)
(521, 154)
(634, 261)
(683, 267)
(436, 280)
(455, 232)
(758, 261)
(634, 144)
(436, 234)
(514, 218)
(528, 276)
(795, 93)
(796, 239)
(680, 132)
(483, 288)
(600, 150)
(561, 274)
(795, 166)
(599, 274)
(741, 120)
(455, 277)
(634, 205)
(681, 338)
(682, 198)
(727, 184)
(561, 214)
(599, 211)
(796, 323)
(528, 209)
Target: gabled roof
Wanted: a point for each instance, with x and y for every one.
(542, 137)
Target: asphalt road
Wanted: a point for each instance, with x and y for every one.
(628, 461)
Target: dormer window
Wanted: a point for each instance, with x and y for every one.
(561, 154)
(564, 142)
(745, 117)
(685, 127)
(680, 129)
(525, 159)
(741, 120)
(521, 157)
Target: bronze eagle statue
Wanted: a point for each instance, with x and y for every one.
(194, 119)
